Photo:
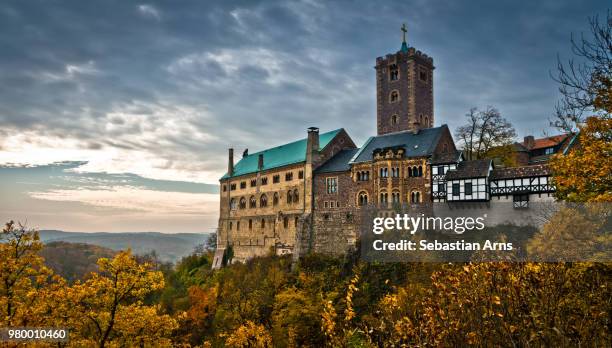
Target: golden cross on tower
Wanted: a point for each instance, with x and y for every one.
(404, 30)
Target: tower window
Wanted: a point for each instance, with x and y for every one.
(264, 181)
(394, 97)
(393, 72)
(394, 119)
(243, 185)
(253, 182)
(362, 198)
(276, 179)
(423, 75)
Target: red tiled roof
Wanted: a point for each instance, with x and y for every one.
(547, 142)
(521, 172)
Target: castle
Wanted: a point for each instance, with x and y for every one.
(306, 196)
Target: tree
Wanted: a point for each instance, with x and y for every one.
(484, 131)
(583, 174)
(22, 275)
(585, 85)
(110, 304)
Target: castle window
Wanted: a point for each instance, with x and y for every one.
(426, 121)
(394, 96)
(263, 223)
(295, 221)
(395, 196)
(384, 172)
(420, 170)
(393, 72)
(326, 204)
(289, 197)
(362, 198)
(230, 225)
(233, 204)
(275, 199)
(276, 179)
(233, 187)
(224, 188)
(296, 196)
(421, 119)
(384, 198)
(253, 182)
(423, 75)
(263, 201)
(289, 176)
(250, 224)
(243, 185)
(301, 174)
(394, 119)
(415, 197)
(252, 202)
(237, 225)
(332, 184)
(264, 180)
(286, 222)
(242, 203)
(395, 172)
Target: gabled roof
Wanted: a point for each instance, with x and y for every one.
(338, 163)
(547, 142)
(470, 169)
(446, 157)
(420, 144)
(521, 172)
(280, 156)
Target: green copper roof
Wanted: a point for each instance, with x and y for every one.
(404, 47)
(279, 156)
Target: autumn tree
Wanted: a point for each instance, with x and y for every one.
(22, 275)
(110, 306)
(484, 131)
(584, 173)
(585, 81)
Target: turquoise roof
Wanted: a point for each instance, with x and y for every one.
(279, 156)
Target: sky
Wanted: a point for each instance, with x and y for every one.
(117, 115)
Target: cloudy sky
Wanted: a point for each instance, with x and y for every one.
(117, 115)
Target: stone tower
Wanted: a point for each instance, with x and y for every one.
(404, 90)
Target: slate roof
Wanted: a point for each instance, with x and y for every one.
(521, 172)
(442, 158)
(415, 145)
(338, 163)
(470, 169)
(280, 156)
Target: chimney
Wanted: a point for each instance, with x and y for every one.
(529, 142)
(312, 143)
(230, 163)
(245, 153)
(260, 163)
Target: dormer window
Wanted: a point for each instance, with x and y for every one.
(549, 151)
(393, 72)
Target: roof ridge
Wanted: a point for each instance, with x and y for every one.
(290, 143)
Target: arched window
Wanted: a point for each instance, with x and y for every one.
(409, 172)
(420, 170)
(394, 119)
(289, 197)
(421, 119)
(393, 72)
(296, 196)
(395, 196)
(242, 203)
(230, 225)
(252, 202)
(263, 201)
(233, 204)
(415, 197)
(362, 198)
(384, 198)
(415, 172)
(275, 199)
(394, 97)
(358, 176)
(427, 121)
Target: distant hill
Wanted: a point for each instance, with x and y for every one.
(169, 247)
(73, 260)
